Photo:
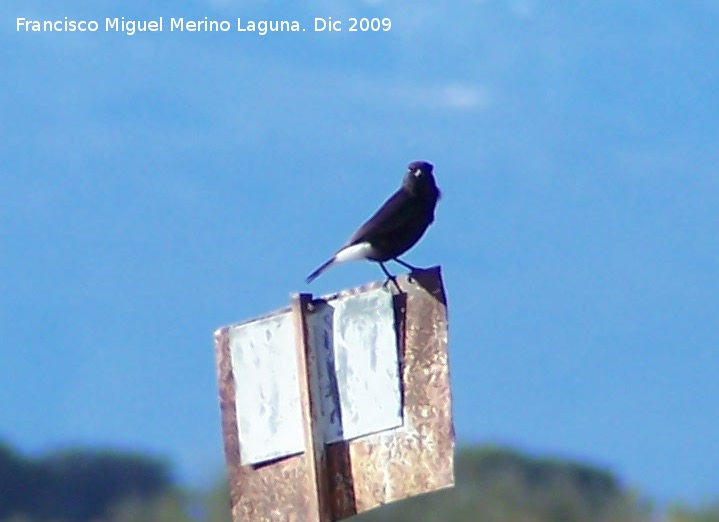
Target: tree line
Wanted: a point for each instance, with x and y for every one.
(492, 484)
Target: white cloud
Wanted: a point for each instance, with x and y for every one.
(446, 96)
(461, 96)
(522, 8)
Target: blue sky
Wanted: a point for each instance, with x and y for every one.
(155, 187)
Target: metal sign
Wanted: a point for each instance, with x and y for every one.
(338, 404)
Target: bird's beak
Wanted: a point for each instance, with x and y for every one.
(417, 173)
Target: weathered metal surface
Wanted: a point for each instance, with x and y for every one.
(337, 480)
(357, 370)
(418, 457)
(281, 490)
(267, 393)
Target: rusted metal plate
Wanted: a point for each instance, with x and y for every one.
(332, 481)
(418, 457)
(280, 490)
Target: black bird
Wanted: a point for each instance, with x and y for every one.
(396, 226)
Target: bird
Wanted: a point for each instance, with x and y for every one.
(396, 226)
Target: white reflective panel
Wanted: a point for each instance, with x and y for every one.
(357, 368)
(264, 363)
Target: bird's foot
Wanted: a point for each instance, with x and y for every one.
(390, 277)
(394, 281)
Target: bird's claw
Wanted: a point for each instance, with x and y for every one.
(394, 280)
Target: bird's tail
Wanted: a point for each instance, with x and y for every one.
(314, 275)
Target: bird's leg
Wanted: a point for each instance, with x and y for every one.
(390, 277)
(405, 264)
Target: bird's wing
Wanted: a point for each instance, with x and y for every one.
(393, 215)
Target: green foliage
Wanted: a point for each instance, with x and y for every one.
(77, 485)
(170, 507)
(686, 514)
(494, 484)
(217, 503)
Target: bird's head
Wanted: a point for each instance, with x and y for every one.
(419, 180)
